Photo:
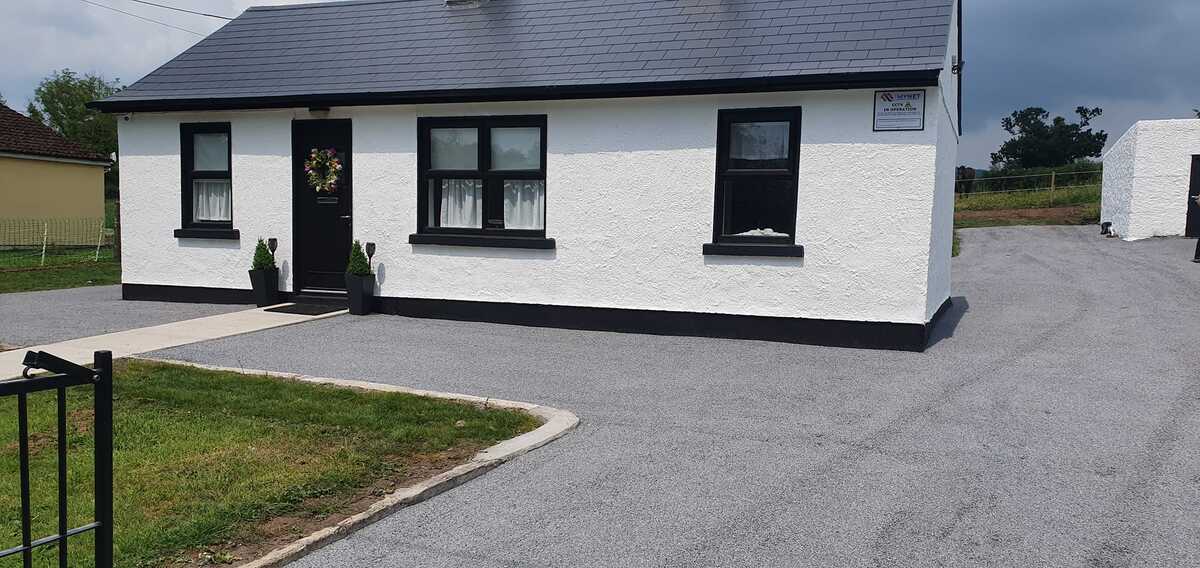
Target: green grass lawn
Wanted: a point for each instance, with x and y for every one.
(1028, 199)
(20, 270)
(95, 274)
(203, 458)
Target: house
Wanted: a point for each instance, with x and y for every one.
(776, 170)
(47, 178)
(1152, 180)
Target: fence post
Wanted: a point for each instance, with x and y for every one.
(1053, 185)
(104, 458)
(99, 240)
(45, 233)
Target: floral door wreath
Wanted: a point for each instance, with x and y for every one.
(323, 168)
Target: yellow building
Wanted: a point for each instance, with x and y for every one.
(46, 180)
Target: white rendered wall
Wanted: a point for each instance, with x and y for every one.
(629, 201)
(1117, 190)
(945, 109)
(941, 242)
(1146, 178)
(150, 202)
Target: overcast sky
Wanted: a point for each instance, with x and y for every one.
(1137, 59)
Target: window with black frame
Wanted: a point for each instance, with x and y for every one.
(207, 180)
(482, 177)
(757, 171)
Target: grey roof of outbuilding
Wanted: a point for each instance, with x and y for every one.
(377, 48)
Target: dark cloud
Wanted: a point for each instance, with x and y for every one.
(1135, 58)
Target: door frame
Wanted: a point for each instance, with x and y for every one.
(297, 181)
(1191, 227)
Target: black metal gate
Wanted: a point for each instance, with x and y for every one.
(66, 375)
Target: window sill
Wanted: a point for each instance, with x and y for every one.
(197, 233)
(482, 241)
(728, 249)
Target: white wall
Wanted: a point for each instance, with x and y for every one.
(1146, 178)
(150, 202)
(629, 201)
(1117, 189)
(941, 243)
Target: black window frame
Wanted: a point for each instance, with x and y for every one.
(190, 227)
(756, 245)
(493, 181)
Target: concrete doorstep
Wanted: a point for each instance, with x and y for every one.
(556, 423)
(154, 338)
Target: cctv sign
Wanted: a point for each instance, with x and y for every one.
(899, 110)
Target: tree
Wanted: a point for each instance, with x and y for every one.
(1195, 110)
(59, 102)
(964, 179)
(2, 101)
(1038, 142)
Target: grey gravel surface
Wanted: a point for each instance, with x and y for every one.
(1056, 422)
(34, 318)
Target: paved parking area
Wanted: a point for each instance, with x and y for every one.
(1056, 422)
(34, 318)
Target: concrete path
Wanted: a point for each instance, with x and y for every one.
(152, 338)
(35, 318)
(1057, 424)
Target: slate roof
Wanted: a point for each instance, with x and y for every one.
(20, 134)
(515, 48)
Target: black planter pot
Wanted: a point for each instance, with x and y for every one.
(266, 286)
(361, 292)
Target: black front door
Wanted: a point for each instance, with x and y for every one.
(321, 222)
(1193, 208)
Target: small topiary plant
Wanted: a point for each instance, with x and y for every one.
(263, 258)
(359, 265)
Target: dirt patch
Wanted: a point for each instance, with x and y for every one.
(78, 422)
(1050, 215)
(38, 441)
(279, 531)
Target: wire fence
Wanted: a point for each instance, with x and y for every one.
(36, 243)
(1048, 181)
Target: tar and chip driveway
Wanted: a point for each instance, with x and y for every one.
(1058, 426)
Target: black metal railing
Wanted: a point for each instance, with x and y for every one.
(66, 375)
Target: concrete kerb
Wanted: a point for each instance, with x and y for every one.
(556, 423)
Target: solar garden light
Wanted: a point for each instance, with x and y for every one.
(370, 251)
(1106, 228)
(272, 243)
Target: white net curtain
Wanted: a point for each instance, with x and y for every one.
(211, 200)
(462, 203)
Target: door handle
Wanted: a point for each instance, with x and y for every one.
(344, 217)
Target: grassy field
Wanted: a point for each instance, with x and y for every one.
(20, 270)
(207, 463)
(1028, 199)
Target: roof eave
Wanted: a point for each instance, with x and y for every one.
(26, 155)
(814, 82)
